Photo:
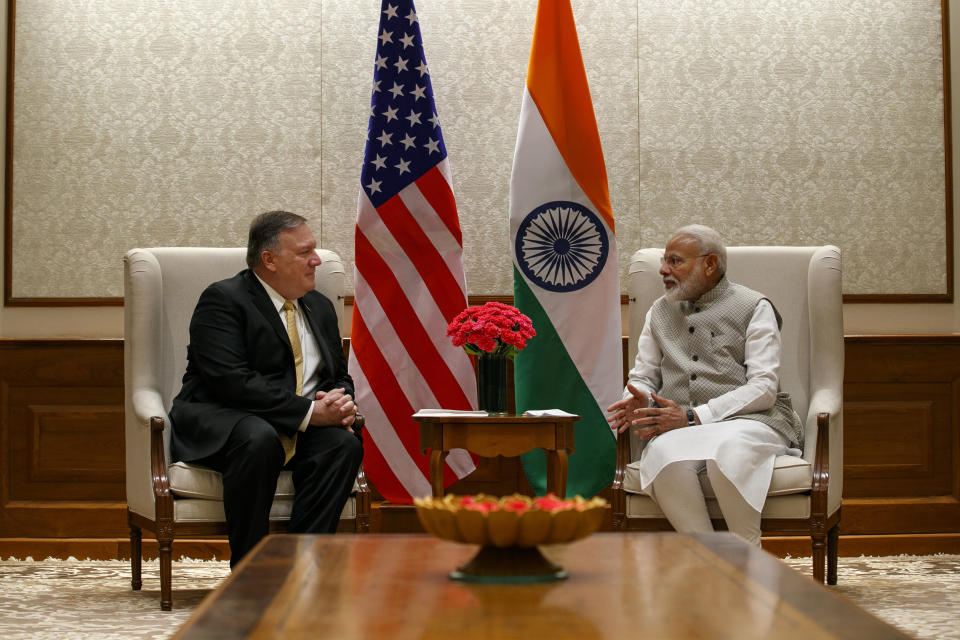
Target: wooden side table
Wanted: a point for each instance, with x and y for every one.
(490, 436)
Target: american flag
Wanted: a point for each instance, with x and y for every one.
(409, 280)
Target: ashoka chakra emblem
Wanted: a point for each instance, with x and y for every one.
(561, 246)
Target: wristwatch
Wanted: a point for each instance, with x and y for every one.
(691, 418)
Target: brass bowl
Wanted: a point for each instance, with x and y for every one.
(512, 521)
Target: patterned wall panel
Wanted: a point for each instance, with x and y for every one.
(156, 122)
(173, 122)
(799, 122)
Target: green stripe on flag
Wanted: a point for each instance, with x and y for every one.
(546, 378)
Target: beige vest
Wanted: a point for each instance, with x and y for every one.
(703, 352)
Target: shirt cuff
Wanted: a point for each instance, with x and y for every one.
(704, 414)
(306, 419)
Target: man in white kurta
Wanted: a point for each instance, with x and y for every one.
(704, 391)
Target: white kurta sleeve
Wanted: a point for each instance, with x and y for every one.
(645, 374)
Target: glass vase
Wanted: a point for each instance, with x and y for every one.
(492, 384)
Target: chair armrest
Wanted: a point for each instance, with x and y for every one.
(825, 401)
(618, 506)
(363, 486)
(824, 451)
(821, 467)
(623, 459)
(147, 404)
(158, 471)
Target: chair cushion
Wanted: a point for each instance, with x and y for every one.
(790, 506)
(202, 483)
(791, 474)
(193, 510)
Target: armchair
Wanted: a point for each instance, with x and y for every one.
(805, 492)
(161, 288)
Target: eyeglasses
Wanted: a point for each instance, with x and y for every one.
(676, 261)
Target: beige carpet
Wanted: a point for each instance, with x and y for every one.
(66, 599)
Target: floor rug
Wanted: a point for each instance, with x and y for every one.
(72, 599)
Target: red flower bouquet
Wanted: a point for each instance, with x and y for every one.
(493, 328)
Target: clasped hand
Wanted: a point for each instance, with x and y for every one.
(646, 421)
(333, 408)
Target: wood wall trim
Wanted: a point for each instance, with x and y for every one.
(902, 496)
(8, 159)
(947, 141)
(892, 338)
(61, 444)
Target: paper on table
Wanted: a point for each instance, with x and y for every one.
(447, 413)
(548, 413)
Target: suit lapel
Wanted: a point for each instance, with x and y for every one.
(264, 305)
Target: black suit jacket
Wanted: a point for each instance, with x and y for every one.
(239, 363)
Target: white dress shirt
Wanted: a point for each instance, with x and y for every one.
(308, 347)
(761, 356)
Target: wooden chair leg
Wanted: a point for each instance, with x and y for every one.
(833, 550)
(165, 546)
(136, 557)
(819, 555)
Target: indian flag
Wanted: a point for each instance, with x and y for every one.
(565, 273)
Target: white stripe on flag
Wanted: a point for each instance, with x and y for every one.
(392, 348)
(380, 430)
(437, 232)
(419, 297)
(416, 390)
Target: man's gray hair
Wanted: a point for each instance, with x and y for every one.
(710, 242)
(265, 233)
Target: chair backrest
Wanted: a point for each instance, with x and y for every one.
(804, 285)
(161, 289)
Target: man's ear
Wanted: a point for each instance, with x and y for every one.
(268, 260)
(710, 264)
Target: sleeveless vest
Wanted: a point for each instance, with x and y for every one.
(703, 352)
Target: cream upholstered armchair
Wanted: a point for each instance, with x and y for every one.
(161, 288)
(805, 492)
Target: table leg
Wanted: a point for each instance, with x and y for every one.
(436, 471)
(557, 472)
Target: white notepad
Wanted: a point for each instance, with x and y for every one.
(548, 413)
(447, 413)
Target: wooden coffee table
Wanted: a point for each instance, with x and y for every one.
(621, 585)
(490, 436)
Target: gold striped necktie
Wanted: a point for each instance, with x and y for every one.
(290, 443)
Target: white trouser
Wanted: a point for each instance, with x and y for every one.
(677, 491)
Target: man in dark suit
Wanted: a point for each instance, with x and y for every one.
(267, 388)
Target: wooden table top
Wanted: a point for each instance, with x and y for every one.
(509, 418)
(621, 585)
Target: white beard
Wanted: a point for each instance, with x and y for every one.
(687, 290)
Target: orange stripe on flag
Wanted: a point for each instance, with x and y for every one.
(558, 85)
